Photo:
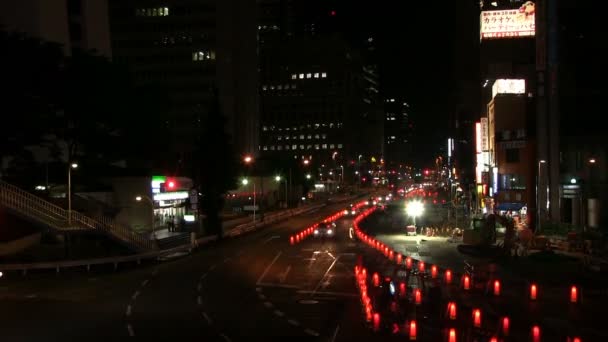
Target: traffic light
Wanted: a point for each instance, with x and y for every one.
(168, 185)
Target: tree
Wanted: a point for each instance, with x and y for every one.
(216, 166)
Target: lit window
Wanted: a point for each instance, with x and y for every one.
(324, 136)
(301, 136)
(272, 148)
(331, 125)
(316, 75)
(316, 125)
(265, 148)
(294, 76)
(280, 87)
(166, 12)
(309, 75)
(279, 137)
(339, 145)
(323, 75)
(301, 76)
(287, 147)
(203, 55)
(301, 147)
(271, 87)
(309, 136)
(286, 86)
(155, 12)
(279, 148)
(316, 136)
(294, 147)
(264, 87)
(324, 146)
(294, 137)
(309, 147)
(264, 128)
(316, 146)
(287, 137)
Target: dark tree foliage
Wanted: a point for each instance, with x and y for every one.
(80, 107)
(216, 166)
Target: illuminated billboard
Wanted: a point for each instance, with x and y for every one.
(511, 23)
(509, 86)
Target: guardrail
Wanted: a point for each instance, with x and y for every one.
(241, 229)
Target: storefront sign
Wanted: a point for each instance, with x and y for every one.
(513, 23)
(512, 144)
(168, 196)
(484, 134)
(508, 86)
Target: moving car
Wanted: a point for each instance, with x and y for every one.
(351, 210)
(325, 229)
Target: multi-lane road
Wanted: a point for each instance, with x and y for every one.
(254, 287)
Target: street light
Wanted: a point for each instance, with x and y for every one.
(592, 161)
(414, 209)
(72, 166)
(278, 179)
(138, 199)
(245, 181)
(306, 161)
(247, 159)
(308, 176)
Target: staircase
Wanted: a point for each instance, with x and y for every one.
(59, 219)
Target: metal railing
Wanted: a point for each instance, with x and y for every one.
(56, 217)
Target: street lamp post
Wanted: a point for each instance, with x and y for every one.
(138, 199)
(245, 181)
(70, 167)
(538, 196)
(278, 179)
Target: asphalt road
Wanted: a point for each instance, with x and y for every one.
(254, 287)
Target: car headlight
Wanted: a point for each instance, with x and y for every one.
(316, 232)
(329, 232)
(353, 212)
(374, 202)
(366, 202)
(345, 212)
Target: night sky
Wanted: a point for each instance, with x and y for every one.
(424, 50)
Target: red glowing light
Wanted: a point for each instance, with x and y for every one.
(477, 318)
(505, 326)
(496, 288)
(413, 330)
(376, 321)
(332, 13)
(452, 310)
(448, 277)
(433, 271)
(421, 267)
(536, 333)
(452, 335)
(533, 291)
(466, 284)
(573, 294)
(418, 296)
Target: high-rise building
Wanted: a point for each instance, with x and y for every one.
(75, 24)
(397, 131)
(194, 50)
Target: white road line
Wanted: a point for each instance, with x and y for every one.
(333, 338)
(226, 338)
(311, 332)
(207, 318)
(199, 286)
(227, 259)
(212, 267)
(284, 286)
(144, 283)
(325, 275)
(268, 268)
(331, 255)
(135, 295)
(130, 330)
(329, 293)
(270, 239)
(199, 300)
(293, 322)
(268, 304)
(128, 310)
(258, 289)
(261, 296)
(283, 275)
(204, 276)
(279, 313)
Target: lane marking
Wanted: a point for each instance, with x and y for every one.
(268, 304)
(258, 289)
(207, 318)
(199, 300)
(293, 322)
(325, 275)
(135, 295)
(144, 283)
(226, 338)
(270, 239)
(204, 276)
(329, 293)
(279, 313)
(199, 286)
(311, 332)
(128, 310)
(333, 338)
(283, 286)
(261, 296)
(268, 268)
(283, 275)
(227, 259)
(331, 255)
(212, 267)
(130, 330)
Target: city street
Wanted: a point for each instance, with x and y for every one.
(255, 286)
